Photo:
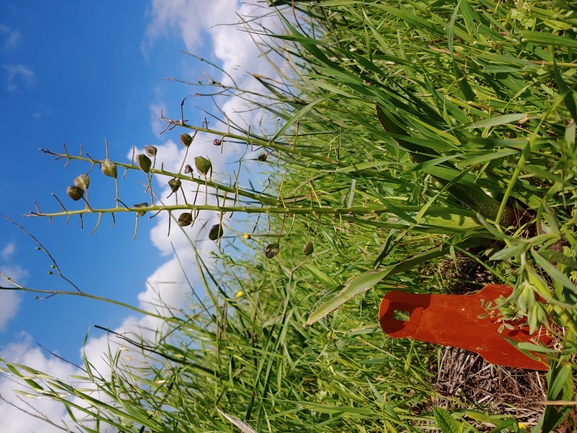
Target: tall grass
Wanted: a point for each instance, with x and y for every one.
(411, 135)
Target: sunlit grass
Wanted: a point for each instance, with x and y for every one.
(411, 135)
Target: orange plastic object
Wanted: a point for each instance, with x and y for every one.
(453, 320)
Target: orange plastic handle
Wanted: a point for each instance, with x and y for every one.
(453, 320)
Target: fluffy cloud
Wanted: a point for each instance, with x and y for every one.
(9, 300)
(19, 75)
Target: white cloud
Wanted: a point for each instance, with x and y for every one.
(9, 300)
(11, 38)
(8, 251)
(20, 74)
(11, 418)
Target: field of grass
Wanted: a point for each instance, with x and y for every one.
(421, 146)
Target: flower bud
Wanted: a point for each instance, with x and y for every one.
(271, 250)
(174, 184)
(203, 165)
(82, 181)
(308, 249)
(187, 169)
(74, 192)
(217, 142)
(142, 213)
(185, 140)
(150, 151)
(215, 232)
(262, 157)
(185, 219)
(143, 162)
(109, 168)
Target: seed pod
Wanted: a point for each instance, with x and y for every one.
(187, 169)
(203, 165)
(215, 232)
(174, 184)
(142, 213)
(143, 162)
(262, 157)
(185, 140)
(74, 192)
(109, 168)
(217, 142)
(150, 151)
(308, 249)
(82, 181)
(271, 250)
(185, 219)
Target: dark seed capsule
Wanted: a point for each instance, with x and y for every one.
(187, 169)
(203, 165)
(185, 140)
(262, 157)
(74, 192)
(308, 249)
(174, 184)
(217, 142)
(184, 219)
(271, 250)
(150, 151)
(215, 232)
(82, 181)
(142, 213)
(109, 168)
(143, 162)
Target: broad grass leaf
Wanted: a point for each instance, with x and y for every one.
(497, 121)
(445, 421)
(365, 281)
(553, 272)
(565, 91)
(242, 426)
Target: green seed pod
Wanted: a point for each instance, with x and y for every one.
(308, 249)
(74, 192)
(215, 232)
(271, 250)
(185, 140)
(174, 184)
(109, 168)
(203, 165)
(185, 219)
(187, 169)
(150, 151)
(142, 213)
(82, 181)
(143, 162)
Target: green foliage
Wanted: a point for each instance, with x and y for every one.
(408, 133)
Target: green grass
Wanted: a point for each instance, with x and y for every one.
(410, 134)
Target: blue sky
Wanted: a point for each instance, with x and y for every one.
(78, 73)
